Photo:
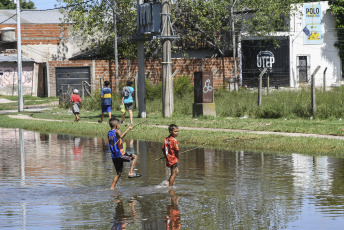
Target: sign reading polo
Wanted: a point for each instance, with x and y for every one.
(265, 59)
(312, 17)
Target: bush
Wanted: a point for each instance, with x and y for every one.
(153, 91)
(182, 86)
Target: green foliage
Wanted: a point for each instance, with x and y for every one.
(182, 85)
(153, 91)
(208, 23)
(9, 4)
(337, 7)
(94, 21)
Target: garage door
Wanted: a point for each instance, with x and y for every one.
(72, 77)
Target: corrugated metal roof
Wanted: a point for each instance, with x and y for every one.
(13, 58)
(31, 17)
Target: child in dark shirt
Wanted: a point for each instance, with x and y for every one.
(117, 152)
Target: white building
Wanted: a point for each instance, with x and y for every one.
(317, 49)
(309, 43)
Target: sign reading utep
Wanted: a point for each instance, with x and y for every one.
(265, 59)
(312, 21)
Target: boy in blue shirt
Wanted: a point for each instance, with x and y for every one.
(127, 100)
(106, 95)
(117, 153)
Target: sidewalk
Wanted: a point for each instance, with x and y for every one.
(27, 108)
(21, 116)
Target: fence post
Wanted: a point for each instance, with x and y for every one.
(268, 86)
(260, 86)
(313, 89)
(324, 80)
(83, 91)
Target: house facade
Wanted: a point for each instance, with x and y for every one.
(43, 39)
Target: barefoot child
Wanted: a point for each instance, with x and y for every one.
(75, 98)
(117, 153)
(170, 150)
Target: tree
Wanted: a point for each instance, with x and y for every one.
(9, 4)
(93, 22)
(337, 7)
(201, 22)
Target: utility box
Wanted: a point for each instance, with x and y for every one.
(149, 18)
(203, 94)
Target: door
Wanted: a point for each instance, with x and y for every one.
(303, 68)
(68, 78)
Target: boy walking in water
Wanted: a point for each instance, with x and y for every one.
(170, 150)
(106, 95)
(117, 152)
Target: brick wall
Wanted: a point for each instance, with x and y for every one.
(128, 69)
(33, 34)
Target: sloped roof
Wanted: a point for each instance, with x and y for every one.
(31, 17)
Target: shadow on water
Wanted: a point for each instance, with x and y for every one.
(59, 181)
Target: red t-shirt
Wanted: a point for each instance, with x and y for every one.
(75, 98)
(170, 147)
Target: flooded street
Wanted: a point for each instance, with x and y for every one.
(63, 182)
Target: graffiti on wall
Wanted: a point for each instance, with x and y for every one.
(9, 80)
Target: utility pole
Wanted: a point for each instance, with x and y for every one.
(233, 39)
(19, 62)
(141, 71)
(115, 44)
(167, 83)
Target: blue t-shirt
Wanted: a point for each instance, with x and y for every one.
(129, 99)
(115, 152)
(107, 94)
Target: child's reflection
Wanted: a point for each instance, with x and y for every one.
(77, 148)
(120, 219)
(173, 214)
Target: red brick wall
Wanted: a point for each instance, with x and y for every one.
(128, 69)
(34, 34)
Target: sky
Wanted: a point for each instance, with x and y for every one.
(44, 4)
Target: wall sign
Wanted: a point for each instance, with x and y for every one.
(312, 21)
(265, 59)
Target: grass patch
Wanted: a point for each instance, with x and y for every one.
(219, 140)
(281, 111)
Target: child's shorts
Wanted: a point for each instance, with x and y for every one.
(129, 106)
(76, 109)
(118, 162)
(106, 108)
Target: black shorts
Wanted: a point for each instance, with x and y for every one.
(174, 166)
(129, 106)
(118, 162)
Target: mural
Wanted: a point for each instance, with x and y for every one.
(9, 80)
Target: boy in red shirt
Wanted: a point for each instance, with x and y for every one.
(170, 150)
(75, 98)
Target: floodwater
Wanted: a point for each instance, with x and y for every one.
(62, 182)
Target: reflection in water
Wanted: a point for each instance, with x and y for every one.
(173, 214)
(77, 148)
(59, 181)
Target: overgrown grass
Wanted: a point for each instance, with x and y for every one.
(285, 103)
